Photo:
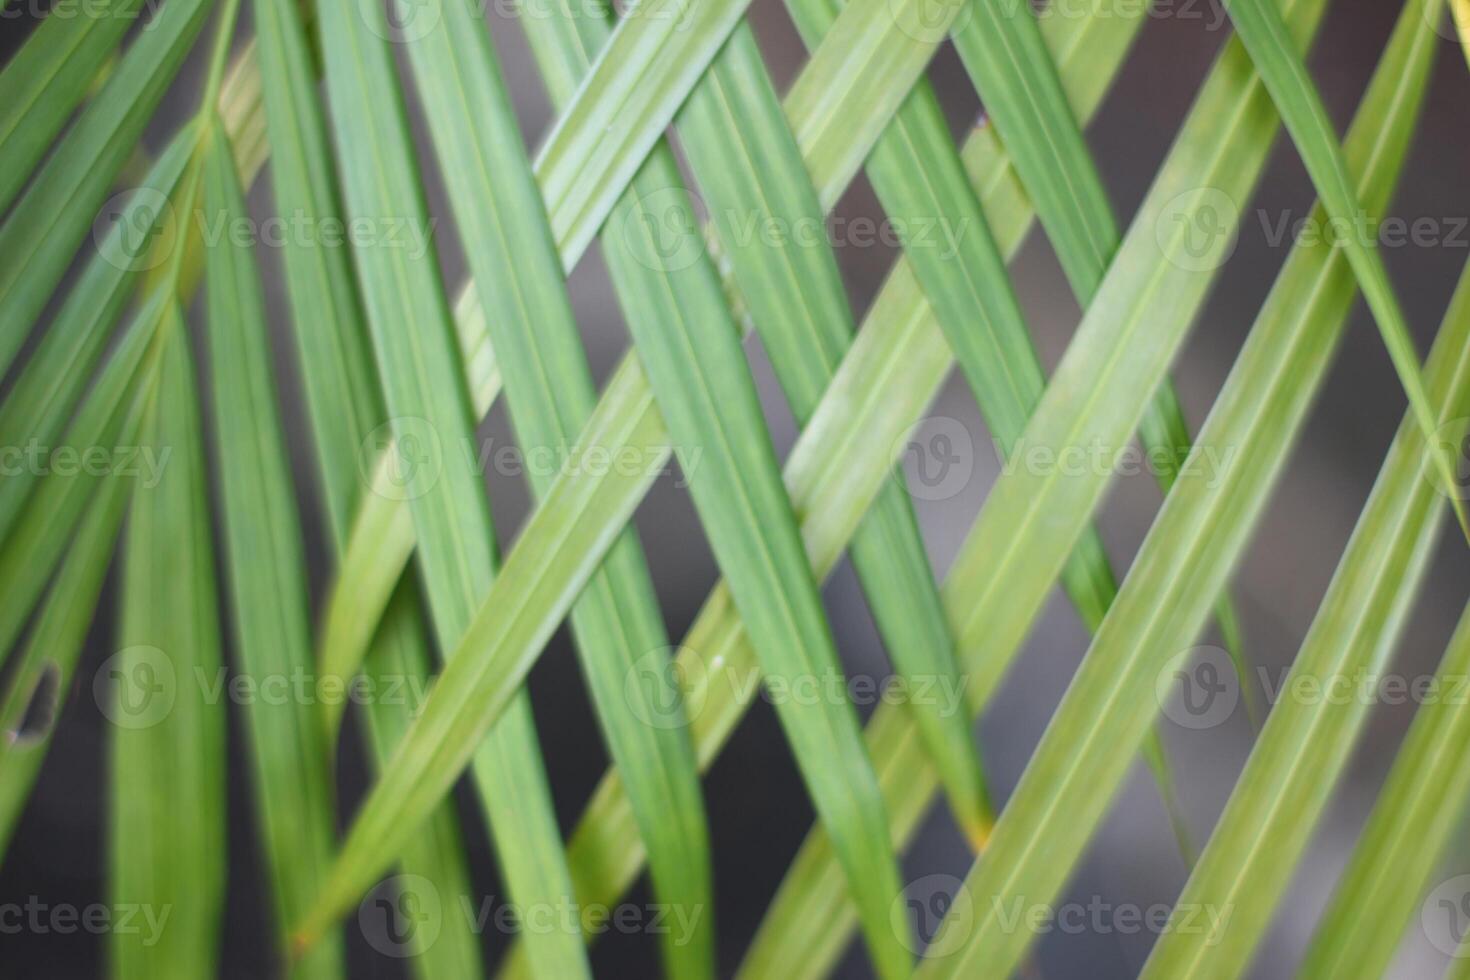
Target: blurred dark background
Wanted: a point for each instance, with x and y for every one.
(757, 807)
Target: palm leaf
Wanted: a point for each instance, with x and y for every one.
(45, 395)
(47, 666)
(617, 624)
(741, 150)
(860, 103)
(1259, 26)
(1004, 52)
(874, 381)
(59, 499)
(344, 407)
(1306, 742)
(40, 234)
(885, 930)
(1418, 810)
(885, 47)
(1189, 550)
(265, 573)
(626, 100)
(352, 613)
(47, 78)
(691, 352)
(168, 737)
(425, 396)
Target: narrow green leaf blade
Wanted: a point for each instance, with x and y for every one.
(617, 624)
(266, 575)
(423, 381)
(1460, 11)
(1002, 49)
(1204, 523)
(610, 859)
(39, 236)
(1288, 779)
(752, 176)
(47, 391)
(699, 376)
(882, 47)
(50, 659)
(558, 550)
(1259, 25)
(41, 86)
(108, 416)
(564, 62)
(641, 77)
(344, 407)
(1419, 808)
(167, 774)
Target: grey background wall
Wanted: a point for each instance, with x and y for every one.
(757, 808)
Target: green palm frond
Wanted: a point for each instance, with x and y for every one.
(168, 746)
(674, 157)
